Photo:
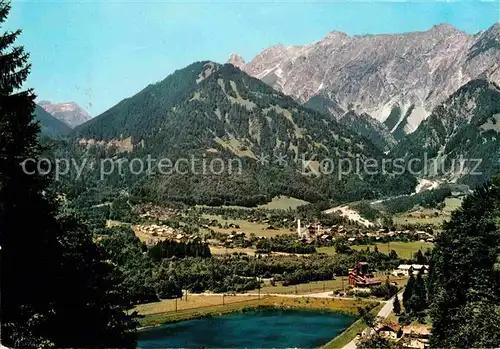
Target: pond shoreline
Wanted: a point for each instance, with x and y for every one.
(265, 326)
(342, 306)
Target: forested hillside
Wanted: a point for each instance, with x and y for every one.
(370, 128)
(464, 280)
(466, 127)
(209, 111)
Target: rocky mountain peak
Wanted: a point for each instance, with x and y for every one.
(68, 112)
(236, 60)
(445, 28)
(401, 77)
(336, 35)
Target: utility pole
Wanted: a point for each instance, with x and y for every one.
(176, 304)
(259, 285)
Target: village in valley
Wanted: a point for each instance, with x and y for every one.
(338, 187)
(307, 233)
(249, 232)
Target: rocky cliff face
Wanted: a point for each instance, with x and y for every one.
(236, 60)
(396, 78)
(70, 113)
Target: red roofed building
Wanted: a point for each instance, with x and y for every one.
(360, 276)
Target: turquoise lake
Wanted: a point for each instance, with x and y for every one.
(268, 328)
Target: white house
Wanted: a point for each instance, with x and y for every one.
(404, 269)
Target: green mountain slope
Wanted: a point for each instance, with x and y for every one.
(325, 105)
(361, 124)
(210, 111)
(459, 134)
(370, 128)
(49, 125)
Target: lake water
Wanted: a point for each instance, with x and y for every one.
(268, 328)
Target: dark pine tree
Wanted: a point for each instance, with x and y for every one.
(396, 305)
(418, 299)
(408, 289)
(420, 258)
(56, 288)
(464, 278)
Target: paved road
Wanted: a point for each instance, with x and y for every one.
(383, 313)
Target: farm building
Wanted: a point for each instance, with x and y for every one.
(360, 276)
(406, 269)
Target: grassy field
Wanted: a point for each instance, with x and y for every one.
(277, 203)
(153, 314)
(322, 286)
(200, 311)
(283, 203)
(192, 302)
(435, 217)
(247, 227)
(407, 218)
(217, 250)
(350, 333)
(403, 249)
(451, 204)
(311, 287)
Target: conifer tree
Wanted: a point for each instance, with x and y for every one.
(419, 294)
(57, 288)
(420, 258)
(408, 289)
(396, 305)
(463, 279)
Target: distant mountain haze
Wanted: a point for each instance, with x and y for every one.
(49, 125)
(397, 79)
(70, 113)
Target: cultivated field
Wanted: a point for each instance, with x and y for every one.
(311, 287)
(192, 302)
(283, 203)
(216, 250)
(429, 216)
(247, 227)
(339, 283)
(277, 203)
(403, 249)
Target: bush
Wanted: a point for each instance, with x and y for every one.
(385, 291)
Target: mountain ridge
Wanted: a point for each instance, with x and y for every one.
(375, 74)
(68, 112)
(208, 110)
(461, 133)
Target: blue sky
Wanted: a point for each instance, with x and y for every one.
(98, 52)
